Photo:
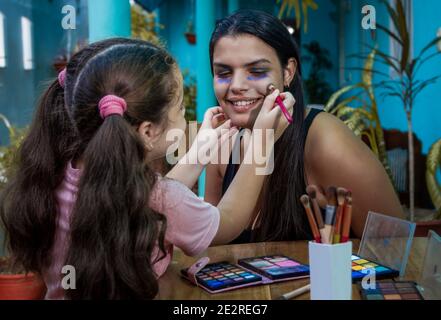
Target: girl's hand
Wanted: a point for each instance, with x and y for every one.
(271, 117)
(214, 131)
(216, 119)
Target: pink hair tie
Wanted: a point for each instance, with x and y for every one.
(111, 104)
(62, 77)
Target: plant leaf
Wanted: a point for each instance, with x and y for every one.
(430, 44)
(340, 92)
(390, 33)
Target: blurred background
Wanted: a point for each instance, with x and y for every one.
(374, 64)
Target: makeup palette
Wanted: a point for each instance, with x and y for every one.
(225, 276)
(276, 267)
(363, 267)
(391, 290)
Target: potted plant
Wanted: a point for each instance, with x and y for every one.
(14, 282)
(189, 34)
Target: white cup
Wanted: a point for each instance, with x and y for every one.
(330, 271)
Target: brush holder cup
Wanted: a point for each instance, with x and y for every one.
(330, 271)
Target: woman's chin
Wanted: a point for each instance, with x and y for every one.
(243, 120)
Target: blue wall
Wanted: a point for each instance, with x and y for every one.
(174, 16)
(20, 89)
(16, 84)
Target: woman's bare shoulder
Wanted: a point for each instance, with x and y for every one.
(329, 139)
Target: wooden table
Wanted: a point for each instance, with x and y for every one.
(172, 286)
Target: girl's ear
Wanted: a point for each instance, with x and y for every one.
(289, 72)
(149, 133)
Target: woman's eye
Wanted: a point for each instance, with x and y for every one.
(258, 71)
(224, 74)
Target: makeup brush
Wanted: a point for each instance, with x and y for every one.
(279, 101)
(341, 194)
(347, 218)
(312, 192)
(315, 232)
(294, 293)
(330, 212)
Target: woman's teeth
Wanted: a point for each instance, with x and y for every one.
(243, 103)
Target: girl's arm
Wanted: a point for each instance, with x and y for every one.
(238, 203)
(190, 166)
(336, 157)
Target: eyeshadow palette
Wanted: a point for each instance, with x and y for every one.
(223, 275)
(276, 267)
(391, 290)
(360, 265)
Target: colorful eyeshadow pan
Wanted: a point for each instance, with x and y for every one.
(362, 267)
(390, 290)
(276, 267)
(223, 275)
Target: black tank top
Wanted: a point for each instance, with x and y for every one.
(230, 172)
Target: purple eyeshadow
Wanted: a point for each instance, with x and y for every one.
(255, 78)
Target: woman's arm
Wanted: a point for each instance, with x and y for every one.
(334, 156)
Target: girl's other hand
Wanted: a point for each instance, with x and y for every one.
(214, 131)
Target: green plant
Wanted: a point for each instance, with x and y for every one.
(362, 119)
(7, 153)
(317, 89)
(145, 26)
(288, 5)
(407, 85)
(433, 163)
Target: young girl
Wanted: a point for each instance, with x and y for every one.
(84, 195)
(249, 50)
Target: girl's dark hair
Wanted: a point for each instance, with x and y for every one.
(282, 216)
(113, 232)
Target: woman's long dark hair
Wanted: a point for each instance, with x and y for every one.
(282, 216)
(113, 232)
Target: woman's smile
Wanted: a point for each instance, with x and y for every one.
(243, 104)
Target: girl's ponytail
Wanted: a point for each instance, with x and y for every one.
(113, 230)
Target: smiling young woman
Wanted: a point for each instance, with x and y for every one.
(249, 50)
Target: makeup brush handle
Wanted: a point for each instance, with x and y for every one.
(324, 236)
(327, 231)
(295, 293)
(284, 110)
